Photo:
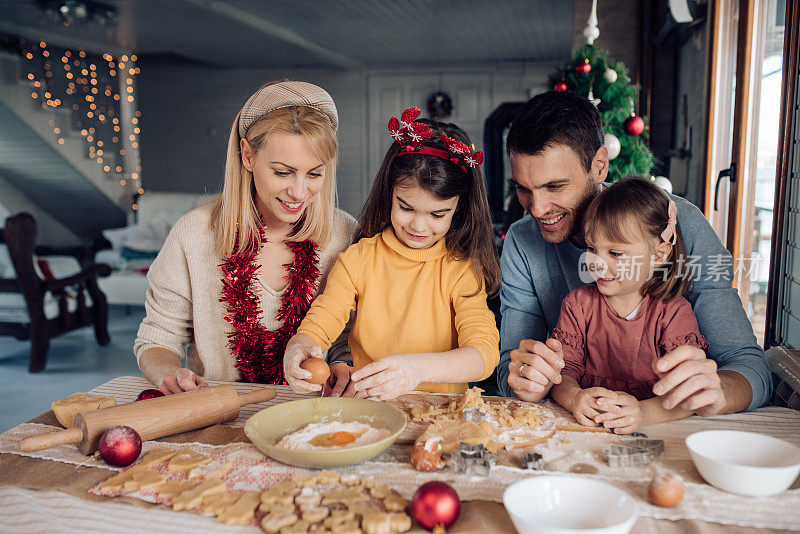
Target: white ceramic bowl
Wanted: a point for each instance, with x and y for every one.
(746, 463)
(568, 505)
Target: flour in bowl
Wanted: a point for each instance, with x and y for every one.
(332, 435)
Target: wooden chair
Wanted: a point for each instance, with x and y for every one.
(19, 236)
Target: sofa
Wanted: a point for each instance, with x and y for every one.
(133, 248)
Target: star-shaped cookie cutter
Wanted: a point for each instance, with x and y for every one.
(533, 460)
(472, 459)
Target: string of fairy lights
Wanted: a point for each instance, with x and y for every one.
(100, 92)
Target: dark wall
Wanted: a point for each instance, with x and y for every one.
(617, 20)
(188, 110)
(666, 69)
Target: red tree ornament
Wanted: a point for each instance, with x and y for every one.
(584, 68)
(120, 446)
(148, 394)
(633, 125)
(560, 86)
(435, 504)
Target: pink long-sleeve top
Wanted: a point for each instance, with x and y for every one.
(603, 349)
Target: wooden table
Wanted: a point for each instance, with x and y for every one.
(39, 495)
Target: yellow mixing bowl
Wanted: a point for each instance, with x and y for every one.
(268, 426)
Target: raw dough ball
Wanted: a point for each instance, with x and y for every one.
(427, 456)
(66, 409)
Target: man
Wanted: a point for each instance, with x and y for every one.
(558, 164)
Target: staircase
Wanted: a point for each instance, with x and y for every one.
(58, 177)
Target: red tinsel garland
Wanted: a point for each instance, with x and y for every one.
(258, 351)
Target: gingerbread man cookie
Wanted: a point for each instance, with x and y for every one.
(315, 514)
(117, 482)
(394, 502)
(186, 460)
(217, 502)
(189, 500)
(346, 527)
(274, 522)
(241, 511)
(307, 497)
(172, 488)
(376, 523)
(399, 521)
(211, 470)
(156, 456)
(144, 480)
(347, 496)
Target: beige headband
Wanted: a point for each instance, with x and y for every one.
(284, 95)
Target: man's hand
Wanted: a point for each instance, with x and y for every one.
(628, 416)
(589, 403)
(534, 368)
(690, 380)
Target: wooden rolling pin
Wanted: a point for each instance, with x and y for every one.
(153, 418)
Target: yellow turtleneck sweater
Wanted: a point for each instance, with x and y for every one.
(406, 301)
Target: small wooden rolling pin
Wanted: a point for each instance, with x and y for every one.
(153, 418)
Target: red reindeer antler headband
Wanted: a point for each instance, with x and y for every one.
(412, 136)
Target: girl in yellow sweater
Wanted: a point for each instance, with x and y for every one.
(417, 280)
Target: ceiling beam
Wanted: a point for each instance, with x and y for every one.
(58, 39)
(274, 30)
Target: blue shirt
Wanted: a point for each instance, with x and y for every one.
(537, 275)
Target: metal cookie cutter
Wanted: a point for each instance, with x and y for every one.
(472, 460)
(533, 460)
(633, 451)
(474, 415)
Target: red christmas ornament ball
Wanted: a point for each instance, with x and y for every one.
(120, 446)
(633, 125)
(584, 68)
(560, 86)
(435, 503)
(148, 394)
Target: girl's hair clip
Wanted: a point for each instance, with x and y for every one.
(412, 136)
(670, 235)
(406, 131)
(463, 151)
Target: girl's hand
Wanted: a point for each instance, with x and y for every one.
(627, 419)
(339, 384)
(591, 402)
(295, 375)
(388, 378)
(181, 380)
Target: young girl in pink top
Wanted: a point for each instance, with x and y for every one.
(614, 330)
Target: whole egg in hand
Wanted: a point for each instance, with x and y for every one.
(318, 368)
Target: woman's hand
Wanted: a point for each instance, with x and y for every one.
(339, 384)
(388, 377)
(627, 419)
(181, 380)
(589, 403)
(300, 348)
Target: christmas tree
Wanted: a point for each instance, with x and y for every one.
(607, 84)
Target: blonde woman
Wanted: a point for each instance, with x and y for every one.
(236, 276)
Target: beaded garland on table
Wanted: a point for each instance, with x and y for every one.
(258, 351)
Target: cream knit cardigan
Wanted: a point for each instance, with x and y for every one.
(183, 307)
